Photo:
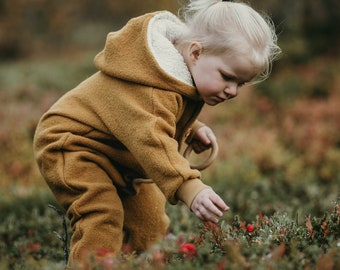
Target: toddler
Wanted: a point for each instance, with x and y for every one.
(110, 148)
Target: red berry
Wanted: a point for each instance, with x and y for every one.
(188, 250)
(102, 252)
(158, 255)
(33, 247)
(250, 228)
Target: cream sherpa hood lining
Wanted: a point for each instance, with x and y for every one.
(163, 29)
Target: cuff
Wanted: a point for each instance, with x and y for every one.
(189, 189)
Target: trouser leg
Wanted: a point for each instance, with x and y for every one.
(91, 202)
(99, 226)
(145, 220)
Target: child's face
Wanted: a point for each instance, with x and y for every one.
(218, 77)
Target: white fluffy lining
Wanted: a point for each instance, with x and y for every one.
(163, 29)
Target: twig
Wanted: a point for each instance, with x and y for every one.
(64, 236)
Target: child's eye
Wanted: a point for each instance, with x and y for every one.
(226, 77)
(231, 78)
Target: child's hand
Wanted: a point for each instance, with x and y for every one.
(207, 205)
(202, 139)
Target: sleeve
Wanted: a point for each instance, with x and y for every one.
(146, 125)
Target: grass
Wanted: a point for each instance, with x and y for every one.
(278, 169)
(29, 232)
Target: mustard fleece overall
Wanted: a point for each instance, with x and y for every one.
(97, 201)
(133, 115)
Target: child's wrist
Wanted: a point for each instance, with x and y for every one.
(189, 190)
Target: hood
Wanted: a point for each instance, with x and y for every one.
(142, 52)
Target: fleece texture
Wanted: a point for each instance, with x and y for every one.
(127, 121)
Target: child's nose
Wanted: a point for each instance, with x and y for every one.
(232, 90)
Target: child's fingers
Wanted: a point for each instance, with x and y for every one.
(214, 210)
(205, 215)
(211, 136)
(208, 205)
(219, 202)
(199, 147)
(205, 135)
(211, 208)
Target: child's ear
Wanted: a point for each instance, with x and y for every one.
(195, 51)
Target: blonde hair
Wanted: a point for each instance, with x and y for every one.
(233, 28)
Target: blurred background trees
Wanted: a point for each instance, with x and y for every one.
(28, 27)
